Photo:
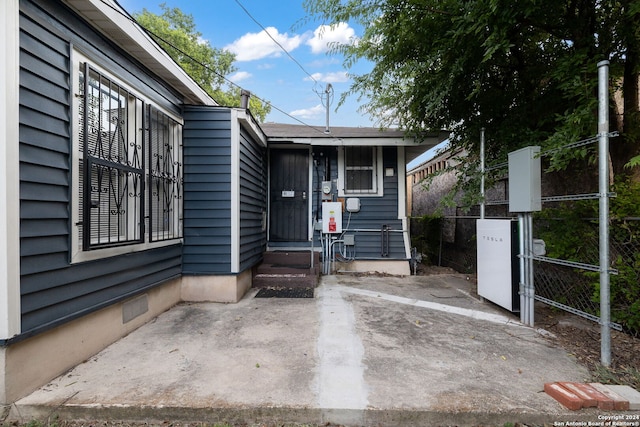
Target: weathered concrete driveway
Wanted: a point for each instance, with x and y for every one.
(416, 350)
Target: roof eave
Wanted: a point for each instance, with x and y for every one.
(108, 17)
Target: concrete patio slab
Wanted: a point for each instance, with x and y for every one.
(374, 351)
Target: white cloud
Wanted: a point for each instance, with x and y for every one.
(323, 62)
(335, 77)
(309, 113)
(325, 35)
(252, 46)
(240, 76)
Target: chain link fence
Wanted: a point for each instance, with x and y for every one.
(450, 242)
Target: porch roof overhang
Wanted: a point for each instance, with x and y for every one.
(280, 133)
(108, 17)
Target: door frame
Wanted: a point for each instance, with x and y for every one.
(308, 149)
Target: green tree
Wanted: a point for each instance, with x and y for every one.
(176, 32)
(525, 71)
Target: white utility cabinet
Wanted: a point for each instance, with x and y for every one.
(498, 263)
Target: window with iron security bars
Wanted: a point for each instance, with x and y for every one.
(360, 169)
(129, 165)
(165, 176)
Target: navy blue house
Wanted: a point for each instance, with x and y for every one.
(126, 189)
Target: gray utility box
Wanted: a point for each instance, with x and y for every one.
(525, 180)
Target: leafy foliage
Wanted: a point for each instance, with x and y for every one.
(176, 32)
(426, 236)
(525, 71)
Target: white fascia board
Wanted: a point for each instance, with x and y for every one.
(9, 170)
(250, 125)
(114, 22)
(235, 191)
(345, 142)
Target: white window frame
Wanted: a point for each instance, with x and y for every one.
(78, 254)
(378, 182)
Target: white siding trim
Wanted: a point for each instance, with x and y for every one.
(402, 201)
(235, 191)
(402, 185)
(251, 126)
(9, 170)
(310, 230)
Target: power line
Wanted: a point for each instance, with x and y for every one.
(275, 41)
(194, 60)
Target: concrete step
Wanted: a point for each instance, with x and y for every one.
(289, 269)
(290, 257)
(287, 280)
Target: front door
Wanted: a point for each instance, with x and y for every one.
(289, 206)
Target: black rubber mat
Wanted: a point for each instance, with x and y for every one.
(285, 293)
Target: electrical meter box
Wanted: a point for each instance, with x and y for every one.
(331, 217)
(327, 190)
(525, 180)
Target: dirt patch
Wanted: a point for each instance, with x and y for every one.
(430, 270)
(581, 338)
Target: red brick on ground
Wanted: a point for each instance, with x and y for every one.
(590, 395)
(565, 397)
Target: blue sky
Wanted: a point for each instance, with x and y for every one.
(263, 68)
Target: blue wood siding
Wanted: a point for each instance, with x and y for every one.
(207, 196)
(253, 200)
(52, 289)
(375, 212)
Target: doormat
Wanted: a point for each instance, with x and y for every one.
(285, 293)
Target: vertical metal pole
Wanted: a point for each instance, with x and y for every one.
(313, 232)
(603, 163)
(328, 93)
(482, 173)
(530, 287)
(523, 289)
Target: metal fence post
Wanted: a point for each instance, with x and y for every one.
(531, 284)
(523, 288)
(482, 171)
(603, 163)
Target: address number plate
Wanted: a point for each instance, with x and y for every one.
(288, 193)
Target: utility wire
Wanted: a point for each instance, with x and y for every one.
(320, 93)
(157, 37)
(275, 41)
